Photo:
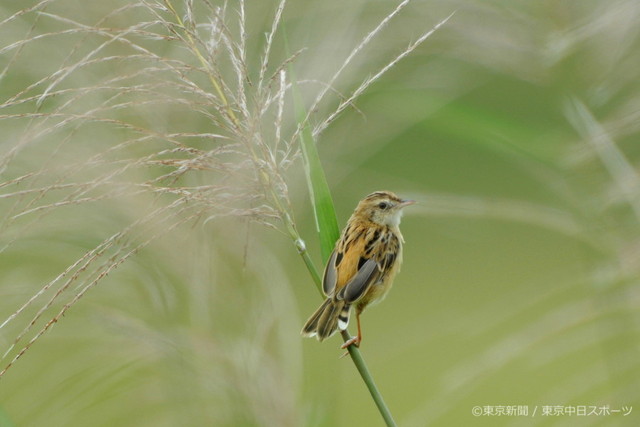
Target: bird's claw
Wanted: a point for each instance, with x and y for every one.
(353, 341)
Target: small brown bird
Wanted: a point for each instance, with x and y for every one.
(362, 266)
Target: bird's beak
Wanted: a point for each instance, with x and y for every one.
(406, 203)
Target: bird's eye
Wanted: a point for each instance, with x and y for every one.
(383, 205)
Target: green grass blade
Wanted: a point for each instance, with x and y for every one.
(323, 209)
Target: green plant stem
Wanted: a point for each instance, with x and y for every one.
(354, 352)
(361, 366)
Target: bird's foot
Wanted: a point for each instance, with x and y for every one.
(353, 341)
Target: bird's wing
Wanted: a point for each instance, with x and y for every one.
(368, 273)
(330, 274)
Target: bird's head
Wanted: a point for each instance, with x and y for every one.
(382, 207)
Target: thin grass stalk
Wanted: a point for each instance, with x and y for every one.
(614, 160)
(369, 81)
(212, 78)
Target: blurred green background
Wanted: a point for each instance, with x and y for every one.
(515, 127)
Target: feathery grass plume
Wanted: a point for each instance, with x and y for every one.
(134, 124)
(110, 147)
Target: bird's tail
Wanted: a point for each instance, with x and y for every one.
(330, 316)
